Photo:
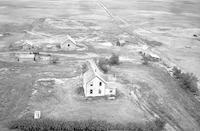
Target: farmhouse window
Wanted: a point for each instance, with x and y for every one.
(91, 84)
(68, 45)
(91, 91)
(99, 91)
(100, 83)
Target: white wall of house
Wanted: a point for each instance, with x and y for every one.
(68, 46)
(26, 57)
(96, 87)
(110, 91)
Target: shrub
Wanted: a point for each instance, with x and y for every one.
(87, 125)
(114, 60)
(156, 125)
(80, 91)
(186, 80)
(54, 60)
(103, 64)
(176, 73)
(146, 58)
(84, 68)
(160, 123)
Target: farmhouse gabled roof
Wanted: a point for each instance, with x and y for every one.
(70, 39)
(93, 72)
(88, 76)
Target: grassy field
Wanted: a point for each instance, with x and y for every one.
(147, 91)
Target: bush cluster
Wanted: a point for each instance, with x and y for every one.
(84, 68)
(88, 125)
(105, 63)
(186, 80)
(113, 60)
(79, 90)
(147, 58)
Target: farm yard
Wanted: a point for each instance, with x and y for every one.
(45, 44)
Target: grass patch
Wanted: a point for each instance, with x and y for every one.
(87, 125)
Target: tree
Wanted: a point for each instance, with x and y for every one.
(114, 59)
(103, 64)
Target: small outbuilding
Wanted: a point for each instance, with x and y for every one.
(95, 83)
(120, 42)
(25, 57)
(68, 44)
(43, 58)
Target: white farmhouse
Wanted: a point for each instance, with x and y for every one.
(95, 83)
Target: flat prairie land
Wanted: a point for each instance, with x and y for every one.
(169, 29)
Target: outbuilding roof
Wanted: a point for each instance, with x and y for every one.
(71, 40)
(25, 56)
